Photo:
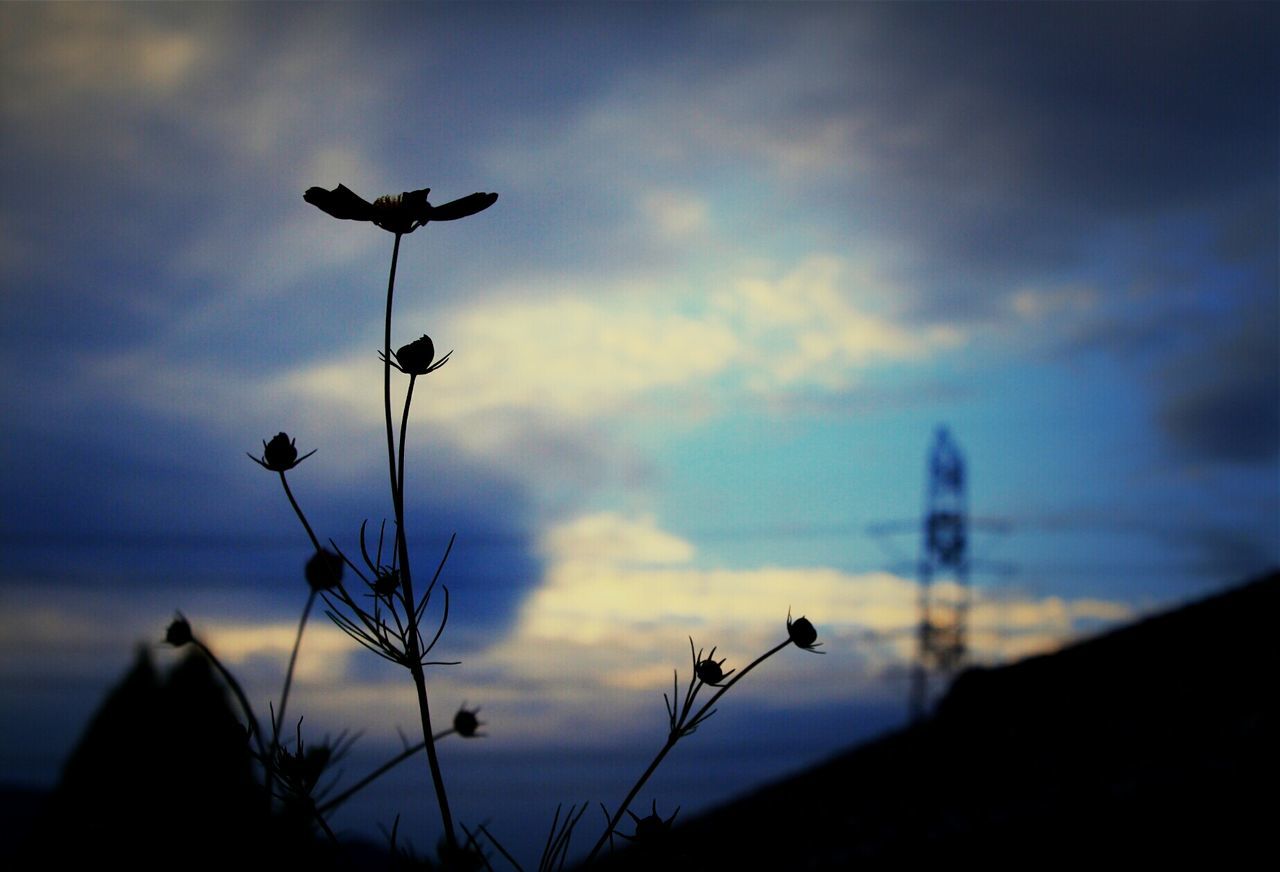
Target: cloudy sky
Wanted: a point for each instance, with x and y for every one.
(745, 261)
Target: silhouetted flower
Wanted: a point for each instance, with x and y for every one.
(324, 570)
(395, 213)
(280, 454)
(650, 829)
(386, 581)
(179, 632)
(465, 723)
(710, 671)
(300, 770)
(802, 632)
(415, 358)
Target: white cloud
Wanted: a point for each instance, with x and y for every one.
(611, 539)
(808, 328)
(580, 351)
(593, 646)
(578, 354)
(323, 658)
(557, 367)
(620, 597)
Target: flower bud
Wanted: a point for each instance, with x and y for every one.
(324, 570)
(179, 632)
(386, 582)
(280, 453)
(651, 830)
(465, 723)
(710, 671)
(803, 633)
(416, 357)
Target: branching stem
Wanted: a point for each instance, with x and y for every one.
(332, 803)
(678, 731)
(413, 650)
(297, 510)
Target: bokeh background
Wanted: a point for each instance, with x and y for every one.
(746, 259)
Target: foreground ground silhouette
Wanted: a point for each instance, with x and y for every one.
(1152, 743)
(1148, 744)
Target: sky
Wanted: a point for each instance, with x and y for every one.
(746, 259)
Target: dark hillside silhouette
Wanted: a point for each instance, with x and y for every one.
(162, 776)
(1152, 743)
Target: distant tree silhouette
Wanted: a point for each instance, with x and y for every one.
(163, 777)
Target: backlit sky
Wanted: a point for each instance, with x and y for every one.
(745, 260)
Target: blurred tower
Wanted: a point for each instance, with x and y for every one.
(940, 635)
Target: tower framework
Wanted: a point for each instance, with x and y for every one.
(941, 635)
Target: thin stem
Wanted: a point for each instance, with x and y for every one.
(677, 733)
(297, 510)
(501, 850)
(399, 497)
(725, 688)
(324, 825)
(278, 719)
(404, 427)
(413, 653)
(331, 804)
(433, 762)
(386, 373)
(672, 738)
(240, 697)
(288, 675)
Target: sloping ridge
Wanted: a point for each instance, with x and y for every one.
(1153, 742)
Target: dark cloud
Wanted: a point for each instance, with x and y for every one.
(122, 498)
(1008, 142)
(1222, 403)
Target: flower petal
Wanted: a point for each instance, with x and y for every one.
(462, 207)
(341, 202)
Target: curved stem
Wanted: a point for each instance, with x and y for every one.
(297, 510)
(324, 825)
(334, 802)
(672, 738)
(398, 496)
(433, 762)
(288, 675)
(386, 372)
(728, 684)
(278, 718)
(404, 426)
(240, 697)
(413, 651)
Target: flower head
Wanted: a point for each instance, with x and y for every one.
(465, 723)
(324, 570)
(395, 213)
(416, 357)
(386, 581)
(280, 454)
(710, 671)
(802, 633)
(179, 632)
(651, 830)
(300, 770)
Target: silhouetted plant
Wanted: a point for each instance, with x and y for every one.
(382, 611)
